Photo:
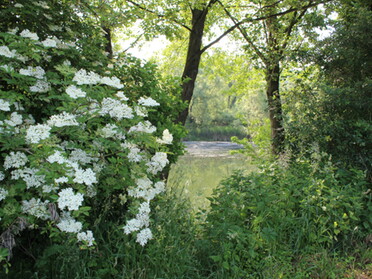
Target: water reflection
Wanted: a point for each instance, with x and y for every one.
(198, 172)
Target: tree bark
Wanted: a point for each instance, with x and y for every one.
(192, 60)
(108, 46)
(275, 107)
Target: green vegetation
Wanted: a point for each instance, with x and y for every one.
(87, 136)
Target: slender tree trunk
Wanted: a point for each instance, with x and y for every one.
(275, 107)
(194, 53)
(108, 46)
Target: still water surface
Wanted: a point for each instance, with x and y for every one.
(201, 169)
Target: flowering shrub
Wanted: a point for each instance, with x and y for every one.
(71, 133)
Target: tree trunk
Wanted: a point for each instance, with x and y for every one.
(194, 53)
(275, 107)
(108, 46)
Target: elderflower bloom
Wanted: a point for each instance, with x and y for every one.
(69, 224)
(36, 208)
(84, 77)
(148, 102)
(134, 155)
(29, 176)
(88, 176)
(114, 82)
(157, 162)
(15, 160)
(121, 96)
(144, 236)
(15, 119)
(86, 237)
(75, 92)
(145, 127)
(62, 120)
(37, 132)
(4, 105)
(40, 86)
(49, 42)
(115, 109)
(36, 72)
(5, 51)
(28, 34)
(3, 194)
(68, 199)
(56, 157)
(167, 138)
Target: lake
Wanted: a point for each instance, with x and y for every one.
(201, 169)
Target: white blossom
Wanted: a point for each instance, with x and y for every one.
(15, 160)
(144, 127)
(114, 82)
(30, 176)
(57, 157)
(75, 92)
(134, 155)
(40, 86)
(27, 34)
(148, 102)
(36, 72)
(121, 96)
(5, 51)
(4, 105)
(2, 176)
(167, 138)
(88, 176)
(82, 77)
(42, 4)
(69, 224)
(68, 199)
(141, 111)
(62, 120)
(157, 162)
(86, 237)
(37, 132)
(109, 131)
(18, 5)
(49, 42)
(80, 156)
(115, 109)
(36, 208)
(7, 68)
(15, 119)
(144, 236)
(3, 194)
(62, 179)
(143, 190)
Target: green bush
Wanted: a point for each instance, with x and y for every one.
(262, 222)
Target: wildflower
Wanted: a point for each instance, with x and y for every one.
(121, 96)
(62, 120)
(36, 208)
(167, 137)
(37, 72)
(29, 176)
(37, 132)
(157, 163)
(62, 179)
(82, 77)
(134, 155)
(68, 199)
(86, 237)
(4, 105)
(80, 156)
(145, 127)
(114, 82)
(5, 51)
(27, 34)
(75, 92)
(40, 86)
(88, 177)
(3, 194)
(15, 160)
(115, 109)
(144, 236)
(148, 102)
(56, 158)
(15, 119)
(69, 224)
(49, 42)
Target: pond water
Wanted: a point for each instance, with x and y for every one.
(201, 169)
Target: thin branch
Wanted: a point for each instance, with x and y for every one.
(134, 43)
(247, 20)
(159, 15)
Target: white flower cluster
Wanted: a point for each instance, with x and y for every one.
(36, 72)
(84, 77)
(37, 132)
(29, 176)
(109, 131)
(121, 96)
(75, 92)
(28, 34)
(69, 224)
(115, 109)
(68, 199)
(148, 102)
(144, 236)
(40, 86)
(145, 189)
(134, 155)
(3, 193)
(4, 105)
(167, 138)
(87, 177)
(48, 42)
(15, 119)
(157, 163)
(5, 51)
(36, 208)
(80, 156)
(62, 120)
(15, 160)
(144, 127)
(86, 237)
